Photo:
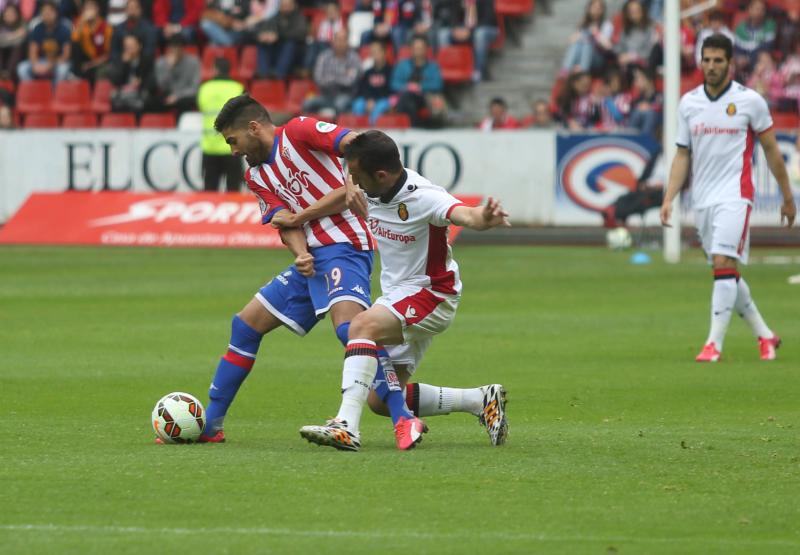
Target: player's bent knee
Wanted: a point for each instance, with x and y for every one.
(363, 327)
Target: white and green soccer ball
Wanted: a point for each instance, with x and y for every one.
(178, 417)
(618, 238)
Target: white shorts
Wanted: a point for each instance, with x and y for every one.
(725, 229)
(423, 314)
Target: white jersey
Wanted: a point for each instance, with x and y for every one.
(720, 132)
(410, 225)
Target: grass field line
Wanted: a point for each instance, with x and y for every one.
(389, 534)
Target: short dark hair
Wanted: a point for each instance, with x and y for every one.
(375, 151)
(239, 111)
(222, 66)
(718, 40)
(498, 101)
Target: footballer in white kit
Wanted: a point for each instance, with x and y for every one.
(420, 283)
(718, 125)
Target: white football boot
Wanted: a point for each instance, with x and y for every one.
(333, 434)
(493, 414)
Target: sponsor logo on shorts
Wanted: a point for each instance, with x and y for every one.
(335, 290)
(282, 279)
(360, 290)
(410, 312)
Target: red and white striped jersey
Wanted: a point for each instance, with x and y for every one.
(410, 225)
(303, 167)
(720, 132)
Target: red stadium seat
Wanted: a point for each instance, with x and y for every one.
(271, 93)
(101, 97)
(8, 85)
(353, 121)
(783, 120)
(393, 121)
(457, 63)
(514, 8)
(157, 121)
(71, 97)
(211, 53)
(34, 96)
(299, 91)
(118, 121)
(79, 121)
(347, 6)
(41, 120)
(248, 63)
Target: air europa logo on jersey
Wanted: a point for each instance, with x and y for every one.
(380, 231)
(703, 129)
(595, 172)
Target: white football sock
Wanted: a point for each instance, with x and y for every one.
(435, 400)
(723, 298)
(747, 309)
(360, 365)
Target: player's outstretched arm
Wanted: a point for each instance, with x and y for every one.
(295, 240)
(480, 218)
(778, 169)
(677, 177)
(330, 204)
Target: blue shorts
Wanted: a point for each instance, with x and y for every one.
(341, 274)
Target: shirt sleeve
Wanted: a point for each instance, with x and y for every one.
(317, 135)
(760, 120)
(683, 137)
(268, 201)
(440, 204)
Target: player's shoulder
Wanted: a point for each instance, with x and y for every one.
(306, 123)
(745, 95)
(695, 95)
(417, 185)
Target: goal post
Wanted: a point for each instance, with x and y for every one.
(672, 87)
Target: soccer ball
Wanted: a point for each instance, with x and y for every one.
(618, 238)
(178, 418)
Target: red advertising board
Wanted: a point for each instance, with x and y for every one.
(156, 220)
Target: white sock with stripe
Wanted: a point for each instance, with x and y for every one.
(747, 309)
(435, 400)
(360, 365)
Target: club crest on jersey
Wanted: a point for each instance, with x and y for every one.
(285, 153)
(325, 127)
(595, 172)
(731, 109)
(263, 206)
(402, 211)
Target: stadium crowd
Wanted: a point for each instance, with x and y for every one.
(373, 62)
(610, 77)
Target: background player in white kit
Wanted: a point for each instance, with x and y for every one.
(717, 124)
(420, 283)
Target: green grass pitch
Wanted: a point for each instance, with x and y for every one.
(619, 442)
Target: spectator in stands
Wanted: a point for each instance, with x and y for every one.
(646, 108)
(259, 11)
(384, 14)
(91, 42)
(12, 40)
(766, 79)
(577, 108)
(336, 77)
(638, 39)
(373, 87)
(6, 117)
(331, 24)
(280, 40)
(134, 24)
(217, 159)
(223, 21)
(472, 22)
(716, 25)
(116, 12)
(614, 101)
(177, 17)
(133, 78)
(789, 28)
(540, 116)
(413, 18)
(790, 78)
(49, 48)
(177, 77)
(591, 42)
(687, 46)
(498, 117)
(753, 34)
(417, 82)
